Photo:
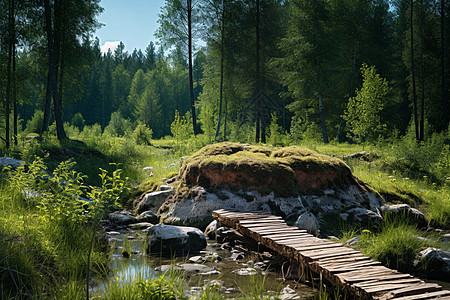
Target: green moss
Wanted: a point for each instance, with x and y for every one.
(265, 169)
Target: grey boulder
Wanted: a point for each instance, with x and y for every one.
(174, 240)
(437, 262)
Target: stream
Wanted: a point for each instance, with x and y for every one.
(221, 269)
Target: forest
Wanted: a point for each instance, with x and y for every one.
(94, 131)
(302, 64)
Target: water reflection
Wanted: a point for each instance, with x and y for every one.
(142, 266)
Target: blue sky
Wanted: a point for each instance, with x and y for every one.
(131, 21)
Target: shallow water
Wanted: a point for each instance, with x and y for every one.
(146, 267)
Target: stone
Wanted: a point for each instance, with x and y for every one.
(153, 201)
(445, 239)
(404, 211)
(211, 229)
(175, 240)
(245, 272)
(188, 269)
(148, 216)
(141, 225)
(122, 218)
(353, 241)
(308, 221)
(364, 216)
(197, 259)
(437, 262)
(12, 163)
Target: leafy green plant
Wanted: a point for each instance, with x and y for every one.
(363, 112)
(142, 134)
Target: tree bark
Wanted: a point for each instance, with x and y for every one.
(443, 84)
(53, 71)
(258, 75)
(413, 75)
(8, 71)
(191, 80)
(14, 89)
(321, 115)
(222, 48)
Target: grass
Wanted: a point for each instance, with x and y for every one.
(45, 258)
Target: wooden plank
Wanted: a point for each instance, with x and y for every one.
(284, 236)
(373, 283)
(340, 269)
(438, 294)
(386, 287)
(377, 277)
(275, 236)
(262, 220)
(269, 232)
(262, 226)
(331, 254)
(344, 262)
(349, 258)
(298, 240)
(315, 246)
(412, 290)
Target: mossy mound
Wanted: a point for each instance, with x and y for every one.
(286, 171)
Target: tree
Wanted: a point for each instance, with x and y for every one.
(363, 112)
(52, 88)
(176, 28)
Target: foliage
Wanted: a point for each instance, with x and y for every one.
(142, 134)
(78, 121)
(181, 127)
(48, 227)
(34, 125)
(118, 125)
(363, 113)
(396, 246)
(275, 131)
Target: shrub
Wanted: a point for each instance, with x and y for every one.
(142, 134)
(118, 125)
(35, 123)
(78, 121)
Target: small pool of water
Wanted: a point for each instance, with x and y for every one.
(140, 265)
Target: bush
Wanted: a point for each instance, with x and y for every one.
(78, 121)
(35, 123)
(142, 134)
(118, 125)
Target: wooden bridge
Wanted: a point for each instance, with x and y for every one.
(347, 269)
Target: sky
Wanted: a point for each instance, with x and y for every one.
(131, 21)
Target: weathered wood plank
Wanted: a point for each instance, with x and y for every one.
(439, 294)
(412, 290)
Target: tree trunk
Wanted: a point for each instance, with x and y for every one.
(221, 69)
(225, 120)
(413, 75)
(422, 96)
(8, 71)
(53, 71)
(47, 107)
(444, 87)
(322, 121)
(14, 93)
(258, 75)
(321, 116)
(191, 80)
